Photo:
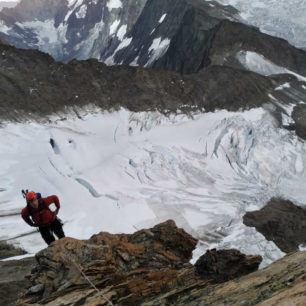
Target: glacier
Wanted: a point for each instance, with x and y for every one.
(122, 171)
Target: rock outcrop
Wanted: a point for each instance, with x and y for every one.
(224, 265)
(12, 279)
(281, 283)
(126, 268)
(281, 222)
(151, 267)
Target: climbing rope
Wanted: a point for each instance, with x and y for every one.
(100, 293)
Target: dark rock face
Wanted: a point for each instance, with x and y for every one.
(232, 38)
(232, 89)
(12, 279)
(33, 85)
(185, 23)
(8, 250)
(281, 222)
(224, 265)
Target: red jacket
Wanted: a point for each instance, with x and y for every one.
(41, 216)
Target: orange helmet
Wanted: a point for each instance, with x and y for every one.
(30, 195)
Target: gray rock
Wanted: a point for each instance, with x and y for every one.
(224, 265)
(36, 289)
(12, 279)
(280, 221)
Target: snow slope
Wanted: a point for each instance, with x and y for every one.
(122, 171)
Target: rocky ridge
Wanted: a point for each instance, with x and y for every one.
(150, 267)
(35, 85)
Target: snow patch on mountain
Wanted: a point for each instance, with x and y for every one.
(81, 13)
(121, 32)
(87, 45)
(259, 64)
(113, 27)
(114, 4)
(162, 18)
(4, 28)
(157, 49)
(74, 3)
(122, 45)
(49, 38)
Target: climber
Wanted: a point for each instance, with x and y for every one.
(38, 214)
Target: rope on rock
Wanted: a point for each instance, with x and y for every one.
(100, 293)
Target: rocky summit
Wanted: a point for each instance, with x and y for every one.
(151, 267)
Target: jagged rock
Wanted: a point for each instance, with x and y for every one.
(281, 222)
(127, 268)
(12, 279)
(224, 265)
(151, 267)
(8, 250)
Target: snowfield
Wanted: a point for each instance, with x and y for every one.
(123, 171)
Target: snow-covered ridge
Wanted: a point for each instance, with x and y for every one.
(122, 171)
